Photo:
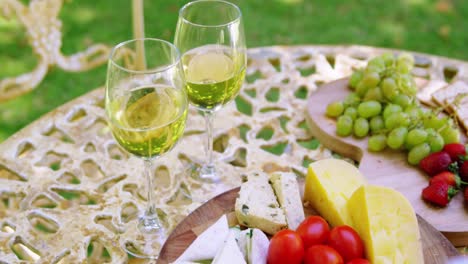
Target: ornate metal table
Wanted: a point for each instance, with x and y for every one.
(67, 191)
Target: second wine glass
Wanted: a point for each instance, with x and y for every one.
(210, 35)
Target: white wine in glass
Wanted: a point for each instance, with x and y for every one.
(210, 35)
(146, 106)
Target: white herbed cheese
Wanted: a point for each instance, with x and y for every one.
(287, 191)
(257, 207)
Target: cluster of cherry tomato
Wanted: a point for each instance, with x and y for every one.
(314, 243)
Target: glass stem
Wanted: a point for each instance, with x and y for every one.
(149, 222)
(150, 207)
(209, 140)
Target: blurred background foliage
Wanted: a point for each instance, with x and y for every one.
(430, 26)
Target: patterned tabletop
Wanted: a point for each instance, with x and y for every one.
(68, 192)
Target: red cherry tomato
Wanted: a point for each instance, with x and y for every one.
(286, 247)
(347, 242)
(313, 230)
(322, 254)
(358, 261)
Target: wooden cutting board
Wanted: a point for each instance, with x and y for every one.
(388, 168)
(436, 247)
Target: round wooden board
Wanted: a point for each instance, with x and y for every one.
(388, 168)
(435, 246)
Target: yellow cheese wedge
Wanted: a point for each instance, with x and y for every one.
(387, 223)
(329, 184)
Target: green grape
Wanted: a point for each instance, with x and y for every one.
(414, 112)
(397, 137)
(352, 99)
(369, 109)
(352, 112)
(396, 120)
(407, 84)
(418, 153)
(377, 64)
(415, 137)
(344, 126)
(405, 63)
(390, 109)
(432, 121)
(361, 89)
(374, 94)
(406, 57)
(335, 109)
(450, 135)
(402, 100)
(404, 67)
(355, 78)
(376, 124)
(389, 88)
(371, 79)
(361, 127)
(377, 142)
(388, 58)
(435, 140)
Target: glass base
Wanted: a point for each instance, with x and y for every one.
(208, 173)
(149, 224)
(148, 240)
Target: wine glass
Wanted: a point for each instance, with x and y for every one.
(210, 35)
(146, 106)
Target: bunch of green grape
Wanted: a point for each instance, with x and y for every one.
(383, 106)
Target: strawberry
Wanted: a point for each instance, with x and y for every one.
(439, 193)
(435, 163)
(463, 171)
(450, 178)
(455, 150)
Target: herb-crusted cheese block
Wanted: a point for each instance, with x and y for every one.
(257, 207)
(287, 191)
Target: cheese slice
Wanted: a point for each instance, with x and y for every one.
(287, 191)
(329, 184)
(230, 252)
(446, 96)
(257, 207)
(207, 244)
(253, 244)
(388, 225)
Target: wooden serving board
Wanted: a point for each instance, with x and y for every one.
(436, 247)
(388, 168)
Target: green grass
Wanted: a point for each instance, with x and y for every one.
(429, 26)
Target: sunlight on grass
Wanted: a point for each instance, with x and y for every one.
(8, 29)
(16, 109)
(416, 2)
(394, 31)
(11, 23)
(82, 15)
(290, 1)
(15, 114)
(14, 67)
